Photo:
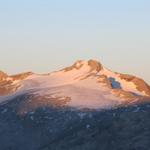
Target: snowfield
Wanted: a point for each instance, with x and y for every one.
(87, 84)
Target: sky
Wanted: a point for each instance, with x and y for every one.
(47, 35)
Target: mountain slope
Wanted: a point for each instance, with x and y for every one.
(85, 84)
(68, 110)
(50, 128)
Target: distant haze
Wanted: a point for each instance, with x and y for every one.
(43, 36)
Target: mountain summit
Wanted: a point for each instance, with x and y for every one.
(92, 64)
(85, 84)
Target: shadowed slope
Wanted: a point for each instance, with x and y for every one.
(51, 128)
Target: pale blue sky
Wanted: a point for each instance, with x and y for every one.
(46, 35)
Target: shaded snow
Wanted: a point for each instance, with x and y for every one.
(125, 85)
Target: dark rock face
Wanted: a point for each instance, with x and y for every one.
(6, 86)
(124, 94)
(21, 76)
(60, 128)
(3, 76)
(77, 65)
(95, 65)
(141, 85)
(105, 81)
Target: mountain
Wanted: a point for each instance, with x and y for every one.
(85, 84)
(81, 107)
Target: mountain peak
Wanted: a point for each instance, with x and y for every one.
(95, 65)
(92, 64)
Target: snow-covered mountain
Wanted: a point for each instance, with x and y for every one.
(85, 84)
